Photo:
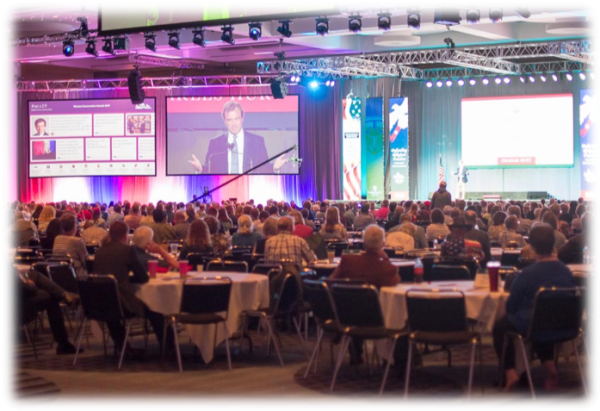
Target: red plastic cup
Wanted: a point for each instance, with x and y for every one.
(493, 267)
(152, 266)
(183, 268)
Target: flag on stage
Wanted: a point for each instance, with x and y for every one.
(440, 171)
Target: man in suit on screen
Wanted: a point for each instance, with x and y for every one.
(237, 150)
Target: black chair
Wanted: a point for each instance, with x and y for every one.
(203, 302)
(42, 267)
(358, 314)
(91, 249)
(557, 315)
(195, 259)
(89, 264)
(510, 258)
(28, 260)
(220, 265)
(439, 319)
(445, 272)
(337, 246)
(101, 302)
(34, 243)
(470, 262)
(64, 276)
(264, 268)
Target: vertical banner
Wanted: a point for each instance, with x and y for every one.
(399, 148)
(373, 148)
(587, 116)
(351, 148)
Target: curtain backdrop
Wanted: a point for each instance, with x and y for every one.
(319, 147)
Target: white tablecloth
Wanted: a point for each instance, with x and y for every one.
(581, 270)
(248, 292)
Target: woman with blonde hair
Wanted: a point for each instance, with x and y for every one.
(333, 229)
(245, 235)
(198, 240)
(220, 242)
(48, 214)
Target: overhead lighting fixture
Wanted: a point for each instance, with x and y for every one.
(198, 38)
(473, 16)
(108, 46)
(460, 82)
(68, 48)
(569, 76)
(136, 91)
(255, 31)
(523, 12)
(284, 29)
(174, 40)
(496, 14)
(279, 88)
(582, 75)
(506, 80)
(322, 27)
(355, 23)
(90, 47)
(498, 80)
(522, 79)
(150, 41)
(439, 83)
(294, 79)
(472, 81)
(227, 35)
(413, 19)
(485, 81)
(531, 79)
(313, 84)
(448, 83)
(554, 77)
(121, 43)
(384, 21)
(543, 78)
(429, 84)
(447, 17)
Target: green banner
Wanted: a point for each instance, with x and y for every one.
(372, 150)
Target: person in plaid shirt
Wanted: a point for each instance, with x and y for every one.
(287, 246)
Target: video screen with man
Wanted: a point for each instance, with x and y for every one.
(230, 135)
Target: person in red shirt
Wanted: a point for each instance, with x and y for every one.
(300, 229)
(383, 212)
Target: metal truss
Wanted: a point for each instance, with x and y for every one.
(147, 83)
(165, 62)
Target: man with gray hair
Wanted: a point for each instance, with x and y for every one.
(287, 246)
(143, 246)
(23, 230)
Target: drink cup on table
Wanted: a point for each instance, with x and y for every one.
(152, 266)
(183, 268)
(173, 247)
(493, 268)
(330, 256)
(200, 268)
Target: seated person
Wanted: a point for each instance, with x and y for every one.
(245, 235)
(67, 244)
(333, 230)
(546, 272)
(437, 229)
(403, 238)
(287, 246)
(143, 246)
(197, 241)
(509, 235)
(37, 292)
(93, 234)
(300, 229)
(572, 251)
(459, 245)
(221, 242)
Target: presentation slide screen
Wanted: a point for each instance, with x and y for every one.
(231, 135)
(518, 131)
(120, 17)
(108, 137)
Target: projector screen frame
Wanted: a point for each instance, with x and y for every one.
(298, 145)
(210, 23)
(29, 163)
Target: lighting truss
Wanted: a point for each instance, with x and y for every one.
(165, 62)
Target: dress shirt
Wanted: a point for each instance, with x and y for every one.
(288, 246)
(240, 151)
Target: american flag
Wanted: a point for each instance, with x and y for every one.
(352, 182)
(440, 171)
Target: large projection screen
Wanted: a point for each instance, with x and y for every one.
(118, 18)
(518, 131)
(103, 137)
(231, 135)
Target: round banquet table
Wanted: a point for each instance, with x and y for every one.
(248, 292)
(405, 267)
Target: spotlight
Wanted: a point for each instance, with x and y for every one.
(413, 19)
(429, 84)
(506, 80)
(496, 14)
(322, 27)
(150, 41)
(121, 43)
(485, 81)
(255, 31)
(472, 81)
(448, 17)
(332, 83)
(460, 82)
(543, 78)
(284, 29)
(439, 83)
(554, 77)
(355, 23)
(582, 75)
(227, 35)
(531, 79)
(174, 40)
(90, 47)
(569, 76)
(384, 21)
(498, 80)
(108, 46)
(522, 79)
(327, 83)
(198, 38)
(473, 16)
(448, 83)
(523, 12)
(68, 48)
(313, 84)
(279, 88)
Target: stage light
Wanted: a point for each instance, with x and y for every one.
(279, 88)
(322, 26)
(121, 43)
(313, 84)
(413, 19)
(90, 47)
(227, 35)
(506, 80)
(485, 81)
(384, 21)
(531, 79)
(108, 46)
(496, 14)
(429, 84)
(473, 16)
(447, 17)
(136, 91)
(448, 83)
(582, 75)
(543, 78)
(569, 76)
(498, 80)
(355, 23)
(294, 79)
(198, 38)
(439, 83)
(332, 83)
(284, 29)
(554, 77)
(255, 31)
(327, 83)
(68, 48)
(523, 12)
(522, 79)
(150, 41)
(472, 81)
(460, 82)
(174, 40)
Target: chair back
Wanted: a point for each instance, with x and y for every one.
(510, 257)
(241, 249)
(446, 272)
(357, 305)
(436, 311)
(220, 265)
(63, 275)
(204, 296)
(338, 247)
(195, 259)
(26, 253)
(284, 293)
(45, 252)
(470, 262)
(100, 299)
(264, 268)
(318, 296)
(309, 274)
(557, 314)
(42, 267)
(91, 249)
(34, 243)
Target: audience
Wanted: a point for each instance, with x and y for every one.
(245, 236)
(287, 246)
(68, 245)
(163, 231)
(332, 229)
(143, 246)
(91, 234)
(23, 230)
(134, 217)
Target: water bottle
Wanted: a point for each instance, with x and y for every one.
(586, 255)
(418, 271)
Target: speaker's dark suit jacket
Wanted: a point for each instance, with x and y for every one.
(255, 153)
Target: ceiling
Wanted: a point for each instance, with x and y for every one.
(40, 58)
